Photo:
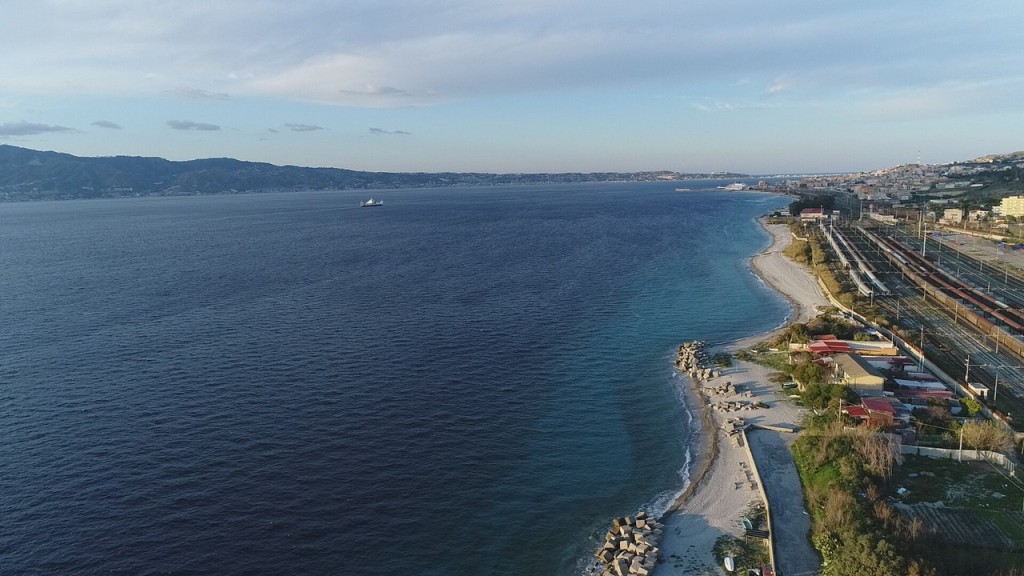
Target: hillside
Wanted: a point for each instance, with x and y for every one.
(37, 175)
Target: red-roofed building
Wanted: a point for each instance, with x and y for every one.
(879, 405)
(830, 346)
(879, 412)
(923, 397)
(812, 214)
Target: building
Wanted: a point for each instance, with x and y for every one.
(1012, 206)
(829, 345)
(857, 373)
(977, 215)
(812, 215)
(952, 215)
(876, 412)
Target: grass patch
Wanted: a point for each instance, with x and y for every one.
(970, 485)
(748, 554)
(824, 477)
(1009, 526)
(722, 360)
(775, 360)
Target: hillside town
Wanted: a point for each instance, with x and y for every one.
(986, 193)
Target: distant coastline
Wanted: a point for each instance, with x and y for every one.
(27, 175)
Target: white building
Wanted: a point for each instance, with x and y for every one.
(977, 215)
(1012, 206)
(952, 215)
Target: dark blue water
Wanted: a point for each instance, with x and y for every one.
(461, 382)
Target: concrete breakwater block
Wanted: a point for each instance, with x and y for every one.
(692, 359)
(631, 546)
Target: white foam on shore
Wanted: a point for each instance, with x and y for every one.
(796, 298)
(790, 307)
(661, 503)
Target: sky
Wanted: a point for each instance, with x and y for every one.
(765, 87)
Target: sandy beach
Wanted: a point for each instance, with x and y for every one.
(724, 488)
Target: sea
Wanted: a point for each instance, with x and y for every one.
(469, 381)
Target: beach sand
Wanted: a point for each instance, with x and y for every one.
(723, 488)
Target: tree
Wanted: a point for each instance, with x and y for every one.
(809, 373)
(971, 405)
(932, 419)
(865, 554)
(823, 201)
(820, 395)
(987, 435)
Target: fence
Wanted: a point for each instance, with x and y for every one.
(969, 455)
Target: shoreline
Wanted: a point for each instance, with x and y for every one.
(720, 491)
(770, 265)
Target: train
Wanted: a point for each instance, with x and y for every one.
(994, 319)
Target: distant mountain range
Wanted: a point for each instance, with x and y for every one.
(37, 175)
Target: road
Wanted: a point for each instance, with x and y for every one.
(791, 526)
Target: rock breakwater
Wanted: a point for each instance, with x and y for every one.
(692, 359)
(630, 547)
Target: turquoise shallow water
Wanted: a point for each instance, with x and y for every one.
(459, 382)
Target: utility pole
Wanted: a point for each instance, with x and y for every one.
(995, 392)
(961, 455)
(921, 367)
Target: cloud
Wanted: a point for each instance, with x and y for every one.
(189, 125)
(409, 52)
(186, 92)
(389, 91)
(106, 124)
(780, 84)
(943, 100)
(303, 127)
(29, 129)
(382, 131)
(715, 106)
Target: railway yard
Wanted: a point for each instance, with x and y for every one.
(960, 301)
